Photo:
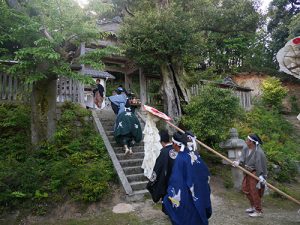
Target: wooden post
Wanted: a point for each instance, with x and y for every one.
(4, 86)
(143, 91)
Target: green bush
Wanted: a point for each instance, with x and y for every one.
(210, 114)
(273, 93)
(75, 164)
(281, 149)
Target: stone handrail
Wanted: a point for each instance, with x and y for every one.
(112, 155)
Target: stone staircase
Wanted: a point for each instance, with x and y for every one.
(128, 166)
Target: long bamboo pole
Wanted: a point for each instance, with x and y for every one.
(241, 168)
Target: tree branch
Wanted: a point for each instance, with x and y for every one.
(128, 11)
(44, 31)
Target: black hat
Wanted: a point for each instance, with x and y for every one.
(164, 136)
(180, 137)
(255, 138)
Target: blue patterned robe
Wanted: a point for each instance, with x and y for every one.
(188, 199)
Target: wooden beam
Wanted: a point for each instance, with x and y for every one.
(114, 69)
(143, 90)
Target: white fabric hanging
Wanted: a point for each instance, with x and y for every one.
(152, 145)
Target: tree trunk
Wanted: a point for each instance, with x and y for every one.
(180, 75)
(43, 110)
(171, 98)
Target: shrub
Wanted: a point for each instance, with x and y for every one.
(273, 93)
(211, 114)
(75, 164)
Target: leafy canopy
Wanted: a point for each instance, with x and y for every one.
(156, 35)
(44, 37)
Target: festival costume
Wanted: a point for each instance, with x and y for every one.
(256, 163)
(152, 145)
(127, 128)
(187, 201)
(158, 183)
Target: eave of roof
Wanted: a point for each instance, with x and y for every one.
(97, 73)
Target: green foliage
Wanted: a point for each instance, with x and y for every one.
(273, 92)
(75, 164)
(226, 174)
(211, 114)
(281, 149)
(155, 36)
(44, 36)
(14, 132)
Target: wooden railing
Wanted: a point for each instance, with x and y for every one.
(13, 89)
(69, 90)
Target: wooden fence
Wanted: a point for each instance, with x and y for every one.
(69, 90)
(244, 96)
(13, 90)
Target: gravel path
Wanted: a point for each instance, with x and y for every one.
(224, 213)
(228, 214)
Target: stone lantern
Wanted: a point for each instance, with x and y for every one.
(234, 146)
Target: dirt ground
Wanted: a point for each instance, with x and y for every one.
(228, 209)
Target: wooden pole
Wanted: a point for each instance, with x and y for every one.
(241, 168)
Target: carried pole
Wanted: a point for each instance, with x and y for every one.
(167, 119)
(241, 168)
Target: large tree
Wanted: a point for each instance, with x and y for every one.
(44, 37)
(175, 33)
(162, 34)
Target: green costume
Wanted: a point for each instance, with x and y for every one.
(127, 128)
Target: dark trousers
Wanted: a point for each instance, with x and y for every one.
(127, 140)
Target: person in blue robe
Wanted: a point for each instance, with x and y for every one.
(119, 102)
(187, 201)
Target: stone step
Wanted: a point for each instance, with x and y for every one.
(136, 177)
(131, 162)
(135, 149)
(138, 185)
(132, 170)
(138, 196)
(111, 138)
(134, 155)
(141, 192)
(108, 129)
(102, 119)
(114, 143)
(108, 123)
(109, 132)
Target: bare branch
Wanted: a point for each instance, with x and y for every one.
(128, 11)
(46, 34)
